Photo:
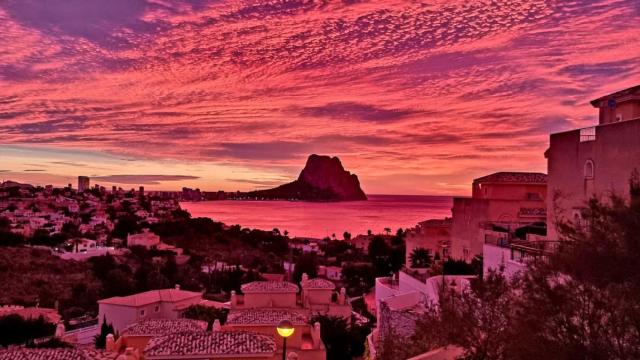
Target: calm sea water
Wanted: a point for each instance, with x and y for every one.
(310, 219)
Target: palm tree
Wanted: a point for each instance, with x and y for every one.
(420, 258)
(76, 242)
(387, 230)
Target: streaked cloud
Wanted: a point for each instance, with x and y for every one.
(143, 179)
(414, 97)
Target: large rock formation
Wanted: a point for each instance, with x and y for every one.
(322, 179)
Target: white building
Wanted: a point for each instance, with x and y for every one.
(122, 311)
(146, 238)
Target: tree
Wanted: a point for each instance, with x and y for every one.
(100, 340)
(341, 340)
(9, 238)
(5, 223)
(306, 264)
(206, 313)
(70, 229)
(125, 225)
(16, 330)
(118, 283)
(380, 254)
(420, 258)
(359, 278)
(580, 302)
(387, 231)
(346, 236)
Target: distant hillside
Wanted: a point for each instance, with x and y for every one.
(322, 179)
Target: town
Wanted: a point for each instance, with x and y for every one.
(95, 273)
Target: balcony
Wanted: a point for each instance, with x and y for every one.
(588, 134)
(523, 250)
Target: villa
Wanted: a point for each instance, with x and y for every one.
(596, 160)
(122, 311)
(433, 235)
(504, 202)
(265, 303)
(582, 163)
(146, 239)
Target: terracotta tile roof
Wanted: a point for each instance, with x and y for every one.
(190, 343)
(150, 297)
(318, 283)
(265, 317)
(269, 287)
(514, 177)
(21, 353)
(160, 327)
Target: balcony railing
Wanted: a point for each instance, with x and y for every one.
(588, 134)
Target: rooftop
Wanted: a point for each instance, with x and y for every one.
(190, 343)
(318, 283)
(164, 327)
(269, 287)
(21, 353)
(150, 297)
(513, 177)
(436, 222)
(633, 91)
(265, 317)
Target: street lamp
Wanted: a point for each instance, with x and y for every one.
(285, 329)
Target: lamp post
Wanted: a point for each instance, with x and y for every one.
(285, 329)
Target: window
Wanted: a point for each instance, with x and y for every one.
(588, 169)
(142, 313)
(157, 308)
(619, 117)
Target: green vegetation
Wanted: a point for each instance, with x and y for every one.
(100, 340)
(580, 302)
(387, 256)
(343, 341)
(14, 330)
(206, 313)
(420, 258)
(233, 244)
(306, 264)
(34, 276)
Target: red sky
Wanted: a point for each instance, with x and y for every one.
(415, 97)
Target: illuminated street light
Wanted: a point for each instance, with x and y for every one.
(285, 329)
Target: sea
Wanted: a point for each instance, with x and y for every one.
(320, 219)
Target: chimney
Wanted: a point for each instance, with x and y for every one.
(315, 335)
(342, 296)
(216, 325)
(234, 299)
(177, 286)
(304, 280)
(110, 344)
(59, 331)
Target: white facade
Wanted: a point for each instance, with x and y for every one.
(145, 238)
(155, 304)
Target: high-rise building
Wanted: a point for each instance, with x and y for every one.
(83, 183)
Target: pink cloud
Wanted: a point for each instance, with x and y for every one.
(435, 94)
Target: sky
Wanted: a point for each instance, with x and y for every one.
(415, 97)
